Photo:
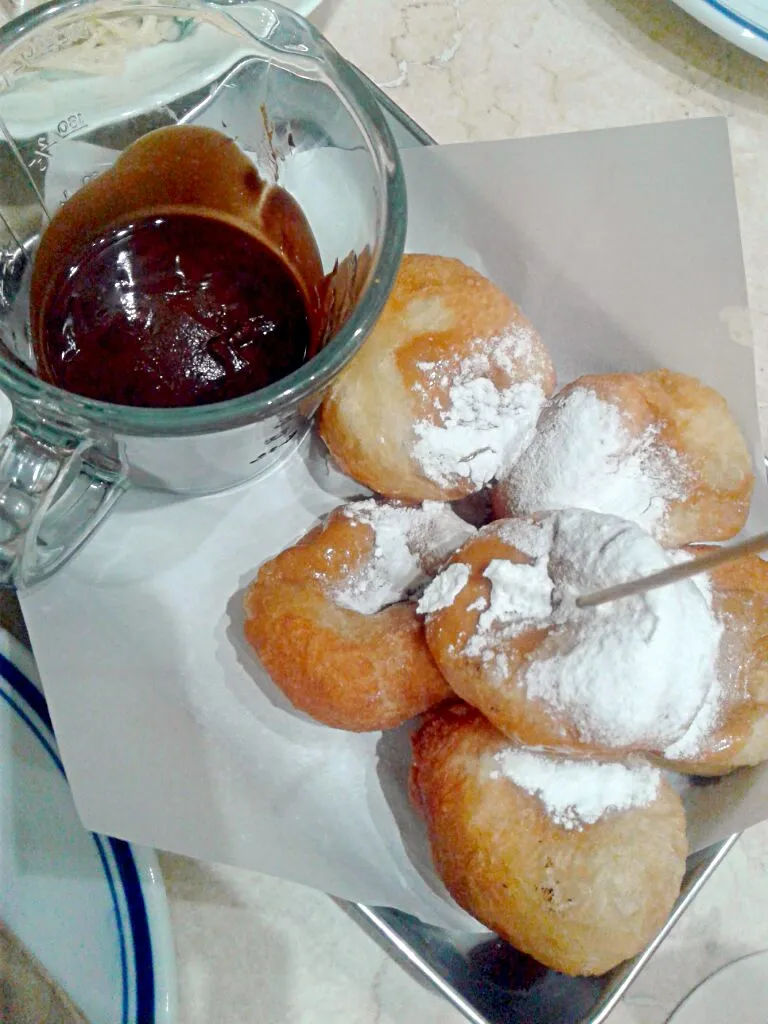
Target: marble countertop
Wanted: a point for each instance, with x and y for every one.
(252, 948)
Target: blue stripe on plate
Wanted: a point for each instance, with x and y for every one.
(99, 841)
(142, 941)
(121, 851)
(32, 695)
(738, 19)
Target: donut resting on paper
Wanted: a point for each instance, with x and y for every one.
(330, 620)
(445, 391)
(580, 898)
(659, 448)
(503, 625)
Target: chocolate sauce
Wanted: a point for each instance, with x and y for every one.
(174, 309)
(176, 278)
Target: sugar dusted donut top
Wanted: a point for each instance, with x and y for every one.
(446, 390)
(483, 416)
(627, 673)
(408, 546)
(659, 448)
(586, 455)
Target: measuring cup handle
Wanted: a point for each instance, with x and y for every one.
(55, 487)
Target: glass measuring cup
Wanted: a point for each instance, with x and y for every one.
(78, 83)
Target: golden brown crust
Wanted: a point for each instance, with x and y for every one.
(438, 310)
(694, 421)
(347, 670)
(698, 425)
(740, 736)
(579, 901)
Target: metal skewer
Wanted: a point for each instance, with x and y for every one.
(675, 572)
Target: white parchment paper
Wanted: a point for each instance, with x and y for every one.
(622, 246)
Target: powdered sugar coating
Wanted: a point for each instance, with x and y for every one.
(695, 737)
(518, 592)
(494, 398)
(444, 589)
(410, 543)
(698, 732)
(578, 793)
(630, 673)
(585, 456)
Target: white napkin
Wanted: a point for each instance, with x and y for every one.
(622, 247)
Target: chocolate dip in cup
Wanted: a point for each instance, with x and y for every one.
(79, 84)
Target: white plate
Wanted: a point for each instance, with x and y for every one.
(736, 994)
(91, 909)
(743, 22)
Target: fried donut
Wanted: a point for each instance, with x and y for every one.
(503, 626)
(445, 391)
(659, 448)
(576, 863)
(731, 730)
(328, 619)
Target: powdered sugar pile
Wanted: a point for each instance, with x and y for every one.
(584, 456)
(410, 543)
(577, 793)
(444, 590)
(483, 428)
(633, 672)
